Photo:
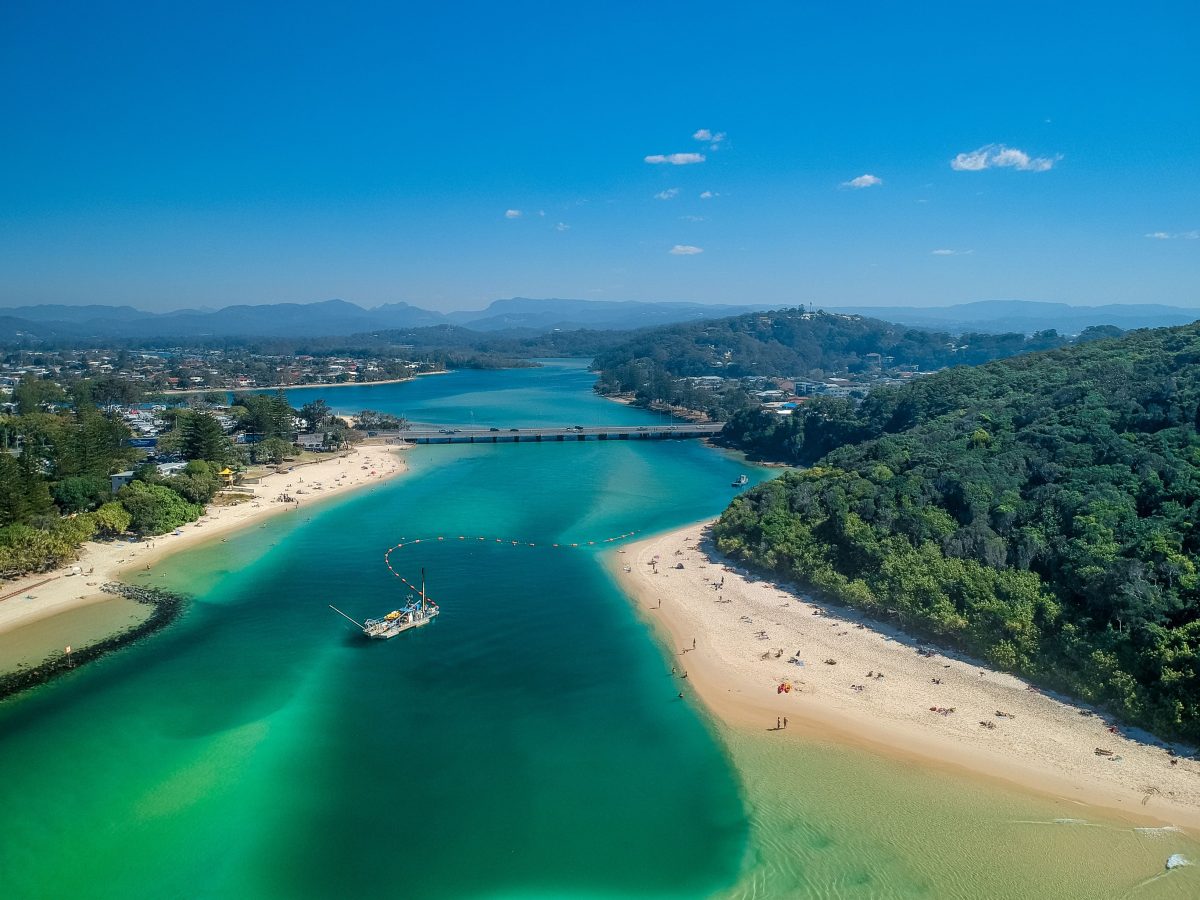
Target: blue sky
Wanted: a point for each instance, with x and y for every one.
(169, 155)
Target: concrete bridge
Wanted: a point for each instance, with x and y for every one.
(452, 435)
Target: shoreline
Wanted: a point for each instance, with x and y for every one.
(37, 597)
(165, 607)
(1043, 746)
(679, 413)
(316, 384)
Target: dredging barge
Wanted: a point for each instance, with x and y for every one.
(413, 615)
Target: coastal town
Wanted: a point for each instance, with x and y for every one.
(189, 368)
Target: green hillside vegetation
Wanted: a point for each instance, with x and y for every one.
(789, 343)
(1040, 511)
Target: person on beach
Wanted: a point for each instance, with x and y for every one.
(785, 721)
(777, 726)
(693, 643)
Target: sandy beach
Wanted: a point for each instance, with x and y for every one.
(37, 597)
(764, 652)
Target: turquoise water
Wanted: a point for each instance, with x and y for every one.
(527, 744)
(557, 394)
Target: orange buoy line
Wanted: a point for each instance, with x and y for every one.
(387, 556)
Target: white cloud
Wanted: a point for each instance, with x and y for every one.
(684, 250)
(944, 252)
(693, 218)
(675, 159)
(562, 226)
(512, 214)
(998, 156)
(708, 195)
(1176, 235)
(667, 194)
(863, 181)
(714, 139)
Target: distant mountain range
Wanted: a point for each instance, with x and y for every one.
(1027, 316)
(339, 318)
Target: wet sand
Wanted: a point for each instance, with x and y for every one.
(928, 707)
(35, 599)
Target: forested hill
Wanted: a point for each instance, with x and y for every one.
(1040, 511)
(795, 343)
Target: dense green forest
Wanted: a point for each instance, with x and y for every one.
(789, 343)
(55, 489)
(1040, 511)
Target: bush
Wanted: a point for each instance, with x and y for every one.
(111, 519)
(155, 508)
(25, 549)
(197, 483)
(81, 493)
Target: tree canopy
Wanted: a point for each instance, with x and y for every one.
(1040, 511)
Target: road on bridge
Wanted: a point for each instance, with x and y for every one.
(452, 435)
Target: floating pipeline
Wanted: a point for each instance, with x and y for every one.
(166, 607)
(387, 556)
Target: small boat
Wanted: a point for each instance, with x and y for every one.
(413, 615)
(740, 481)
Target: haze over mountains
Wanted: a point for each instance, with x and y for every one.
(1027, 316)
(342, 318)
(339, 317)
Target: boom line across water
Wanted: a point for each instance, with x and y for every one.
(387, 556)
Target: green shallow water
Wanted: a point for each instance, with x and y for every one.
(527, 744)
(830, 821)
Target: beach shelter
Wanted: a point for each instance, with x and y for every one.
(227, 474)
